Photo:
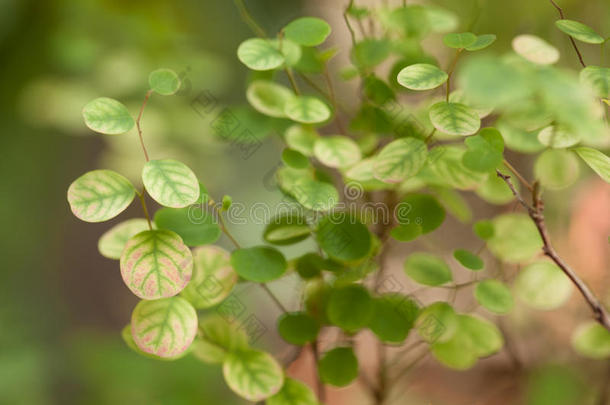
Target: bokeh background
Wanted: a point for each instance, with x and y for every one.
(62, 305)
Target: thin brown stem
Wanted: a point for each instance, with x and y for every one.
(518, 175)
(247, 18)
(274, 298)
(333, 99)
(450, 72)
(349, 26)
(535, 211)
(560, 11)
(320, 387)
(146, 97)
(293, 82)
(145, 208)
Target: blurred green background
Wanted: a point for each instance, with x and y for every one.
(62, 305)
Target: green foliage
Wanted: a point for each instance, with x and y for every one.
(468, 259)
(592, 340)
(164, 327)
(194, 224)
(427, 269)
(485, 150)
(399, 160)
(579, 31)
(286, 229)
(494, 295)
(535, 50)
(418, 214)
(515, 238)
(454, 118)
(107, 116)
(421, 76)
(336, 151)
(306, 110)
(350, 307)
(343, 237)
(393, 317)
(596, 160)
(293, 392)
(598, 78)
(170, 183)
(156, 264)
(100, 195)
(482, 42)
(164, 82)
(338, 367)
(113, 241)
(307, 31)
(459, 40)
(259, 54)
(260, 263)
(268, 97)
(556, 169)
(298, 328)
(294, 159)
(253, 374)
(543, 286)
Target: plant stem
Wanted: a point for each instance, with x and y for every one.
(333, 99)
(293, 82)
(535, 211)
(144, 207)
(349, 26)
(560, 11)
(274, 298)
(320, 387)
(247, 18)
(450, 72)
(146, 97)
(518, 175)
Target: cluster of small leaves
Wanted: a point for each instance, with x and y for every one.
(424, 152)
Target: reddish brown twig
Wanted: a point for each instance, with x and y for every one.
(560, 11)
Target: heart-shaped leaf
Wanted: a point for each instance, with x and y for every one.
(212, 279)
(107, 116)
(156, 264)
(252, 374)
(485, 150)
(170, 183)
(100, 195)
(400, 160)
(454, 118)
(259, 54)
(165, 327)
(421, 76)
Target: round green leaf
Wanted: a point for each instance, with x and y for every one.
(427, 269)
(495, 296)
(393, 317)
(260, 263)
(454, 118)
(223, 332)
(445, 167)
(484, 229)
(437, 322)
(337, 151)
(592, 340)
(598, 78)
(421, 76)
(515, 239)
(156, 264)
(555, 137)
(338, 367)
(259, 54)
(213, 277)
(495, 191)
(314, 195)
(293, 393)
(107, 116)
(370, 52)
(556, 169)
(350, 307)
(207, 352)
(307, 31)
(128, 339)
(100, 195)
(596, 160)
(309, 265)
(417, 214)
(301, 138)
(306, 109)
(485, 150)
(400, 160)
(170, 183)
(294, 159)
(253, 374)
(542, 285)
(165, 327)
(579, 31)
(164, 81)
(113, 241)
(289, 49)
(343, 237)
(268, 97)
(482, 42)
(286, 229)
(459, 40)
(440, 19)
(468, 259)
(535, 49)
(298, 328)
(194, 224)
